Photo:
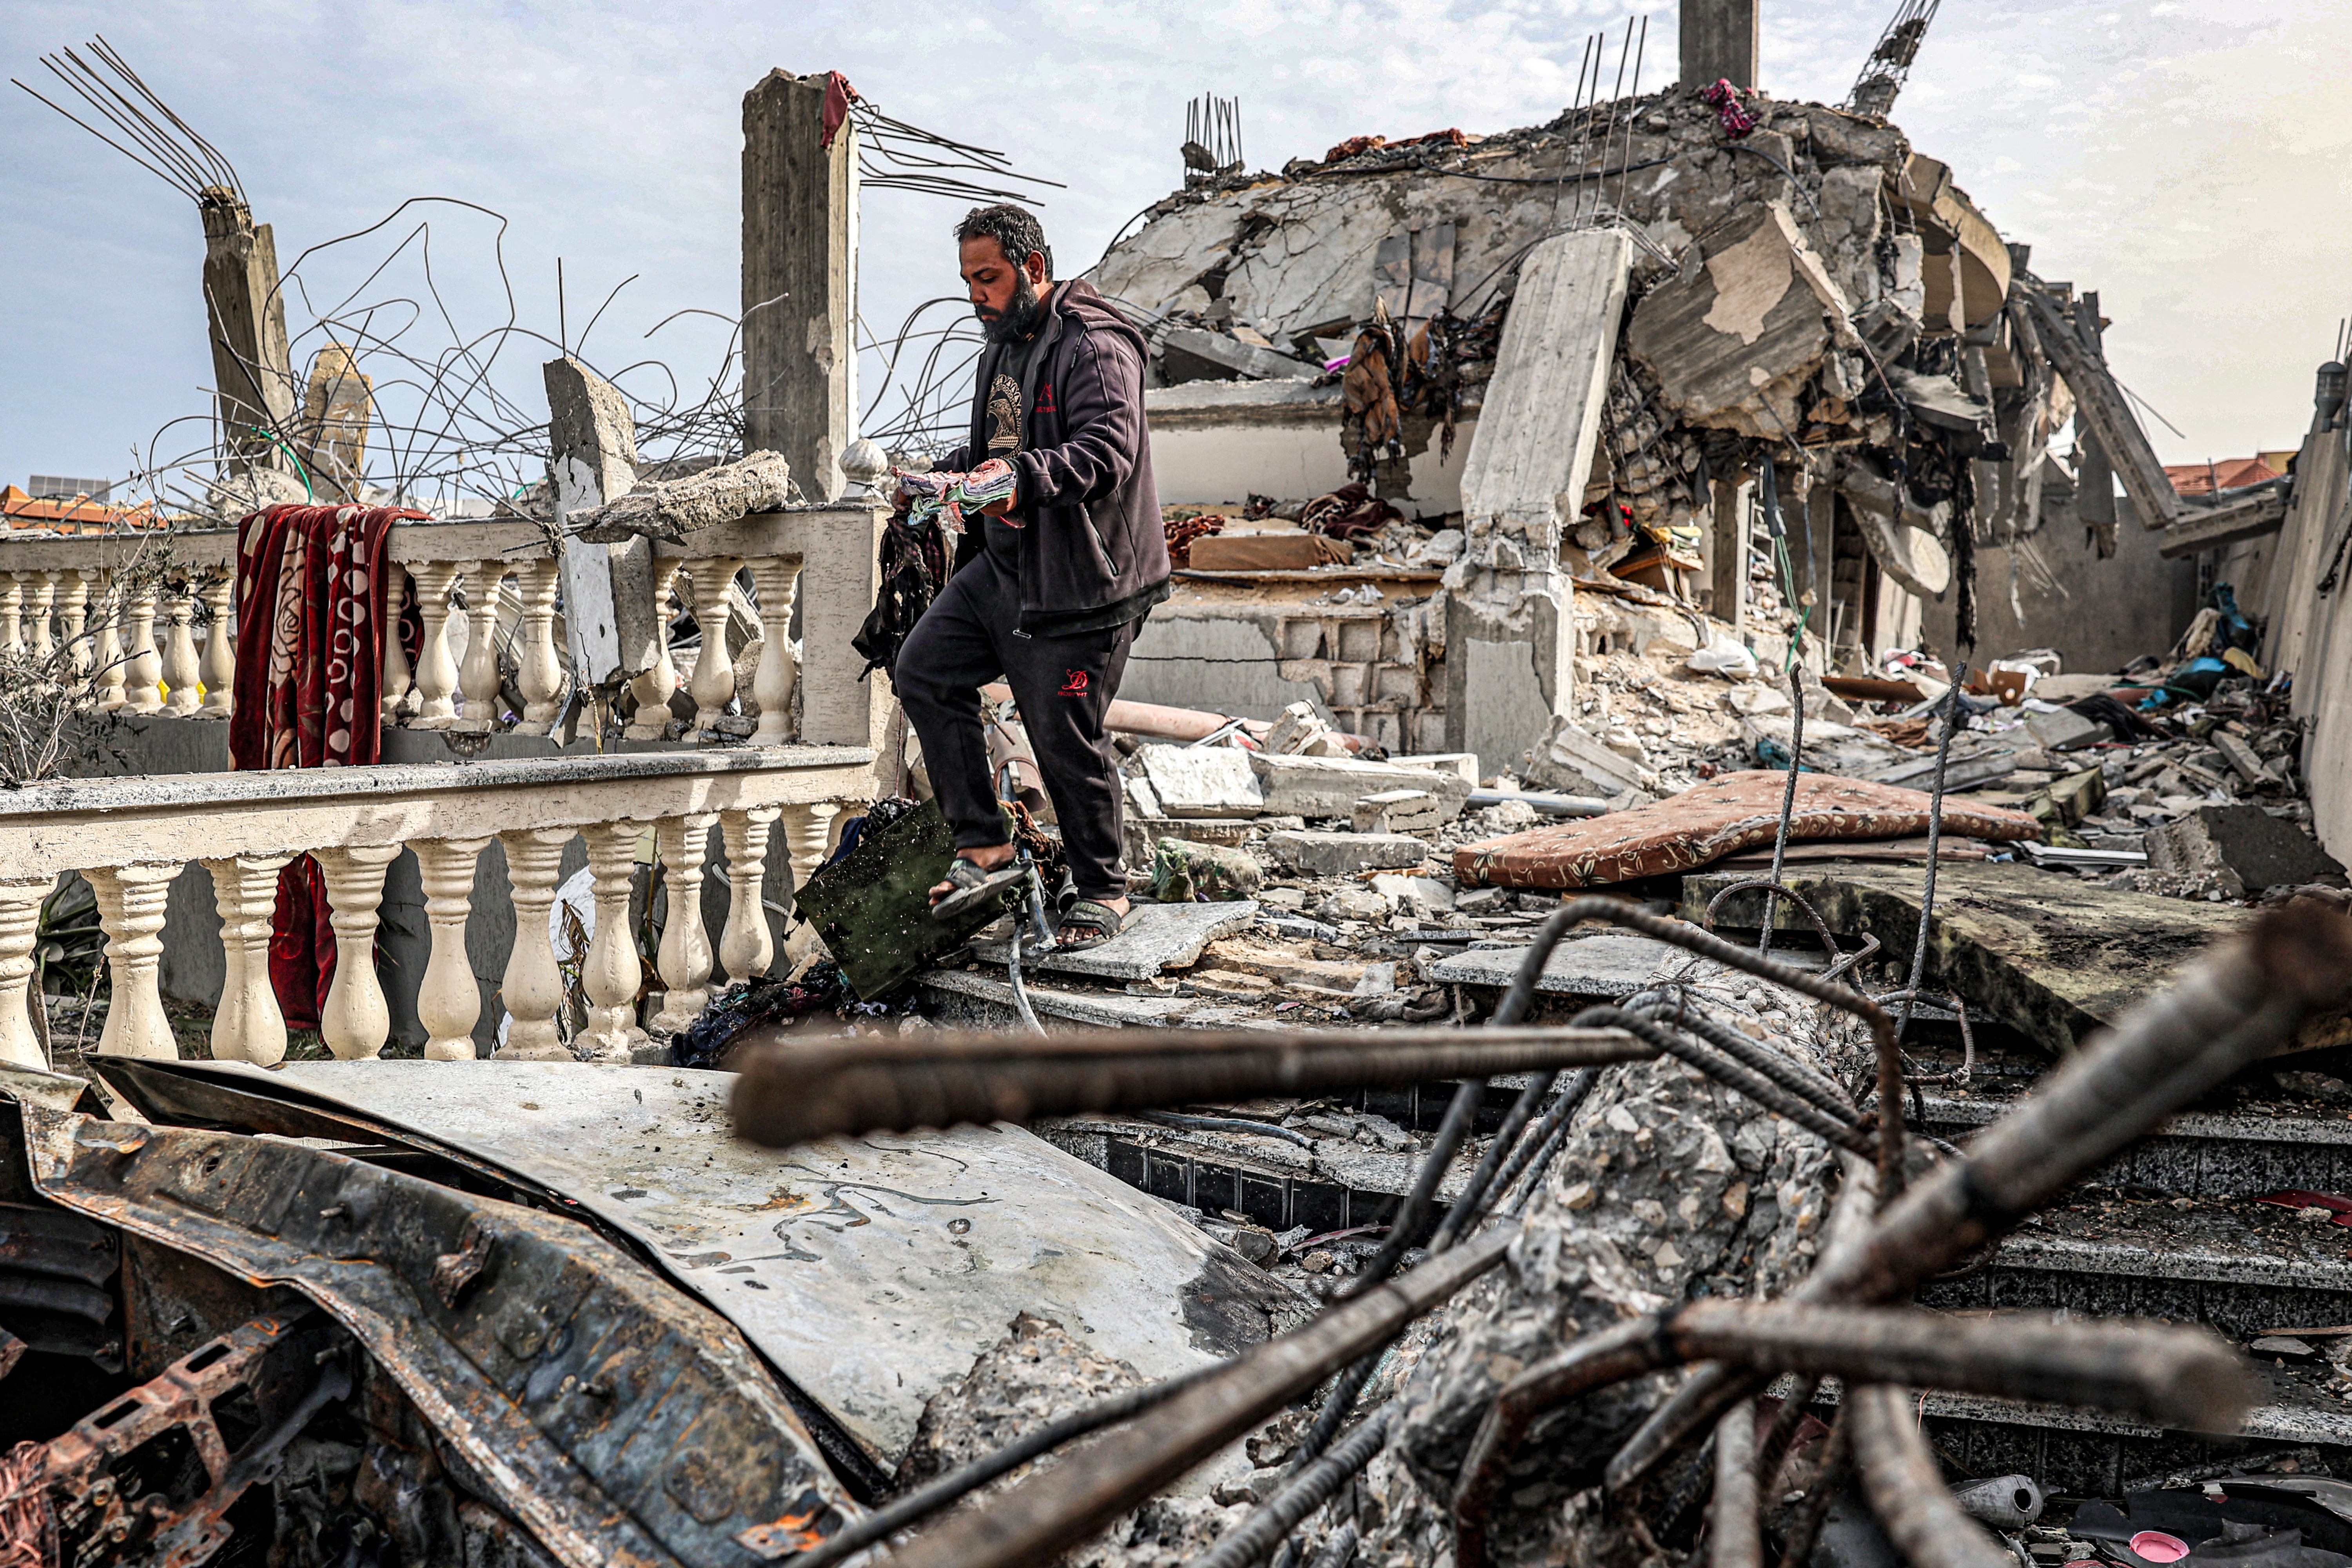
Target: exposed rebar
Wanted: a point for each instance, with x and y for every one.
(1047, 1514)
(1734, 1534)
(792, 1095)
(1906, 1489)
(1248, 1544)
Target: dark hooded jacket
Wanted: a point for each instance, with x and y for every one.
(1093, 552)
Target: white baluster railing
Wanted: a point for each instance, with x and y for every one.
(131, 836)
(125, 607)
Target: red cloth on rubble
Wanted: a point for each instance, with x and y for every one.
(311, 582)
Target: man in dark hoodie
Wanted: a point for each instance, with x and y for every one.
(1051, 587)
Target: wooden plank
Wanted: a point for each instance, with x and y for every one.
(1728, 544)
(1266, 552)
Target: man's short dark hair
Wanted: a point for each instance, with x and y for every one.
(1015, 230)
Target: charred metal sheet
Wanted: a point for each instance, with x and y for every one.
(873, 1271)
(150, 1477)
(616, 1420)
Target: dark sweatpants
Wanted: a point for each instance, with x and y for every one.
(1063, 685)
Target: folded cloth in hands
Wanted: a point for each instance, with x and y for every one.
(948, 496)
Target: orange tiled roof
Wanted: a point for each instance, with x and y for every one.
(72, 516)
(2225, 473)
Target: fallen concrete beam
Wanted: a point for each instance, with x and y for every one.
(2051, 957)
(2194, 530)
(761, 481)
(2100, 404)
(1217, 356)
(612, 627)
(1733, 339)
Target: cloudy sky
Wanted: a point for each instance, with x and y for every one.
(2186, 157)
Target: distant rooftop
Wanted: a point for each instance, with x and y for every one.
(71, 514)
(2226, 473)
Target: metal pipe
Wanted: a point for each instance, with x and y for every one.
(1734, 1533)
(1046, 1514)
(1906, 1487)
(2179, 1378)
(788, 1096)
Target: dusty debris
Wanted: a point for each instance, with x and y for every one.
(2235, 851)
(670, 510)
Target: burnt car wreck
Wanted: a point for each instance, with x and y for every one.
(331, 1315)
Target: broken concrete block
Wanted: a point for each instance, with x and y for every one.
(1142, 800)
(1353, 902)
(1185, 872)
(1193, 354)
(1463, 763)
(1415, 895)
(761, 481)
(2242, 848)
(1574, 762)
(1203, 781)
(1345, 854)
(2075, 796)
(2240, 756)
(1734, 339)
(1141, 835)
(1330, 787)
(1298, 731)
(2067, 729)
(1158, 937)
(1393, 810)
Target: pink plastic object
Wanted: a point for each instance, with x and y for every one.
(2157, 1547)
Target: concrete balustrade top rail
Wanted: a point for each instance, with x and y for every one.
(132, 838)
(137, 636)
(73, 825)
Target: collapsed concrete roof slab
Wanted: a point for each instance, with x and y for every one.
(872, 1274)
(1745, 322)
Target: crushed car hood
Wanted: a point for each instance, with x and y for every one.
(872, 1272)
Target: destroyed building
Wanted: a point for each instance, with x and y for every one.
(1639, 1040)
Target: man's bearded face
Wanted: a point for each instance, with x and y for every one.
(1018, 320)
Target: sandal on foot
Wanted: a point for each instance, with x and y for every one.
(1087, 915)
(973, 886)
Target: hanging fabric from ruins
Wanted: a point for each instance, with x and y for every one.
(310, 591)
